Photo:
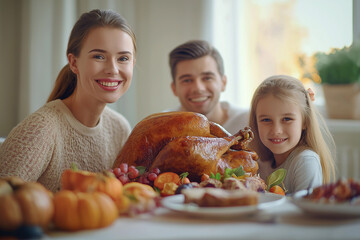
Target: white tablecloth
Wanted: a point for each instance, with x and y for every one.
(282, 222)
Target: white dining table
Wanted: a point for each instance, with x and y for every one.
(285, 221)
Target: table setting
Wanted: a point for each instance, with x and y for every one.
(280, 220)
(167, 184)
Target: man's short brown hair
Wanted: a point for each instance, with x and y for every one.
(193, 50)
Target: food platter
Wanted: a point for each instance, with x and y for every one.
(266, 200)
(346, 209)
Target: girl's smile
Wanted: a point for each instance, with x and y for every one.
(277, 140)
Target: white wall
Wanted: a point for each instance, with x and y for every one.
(9, 74)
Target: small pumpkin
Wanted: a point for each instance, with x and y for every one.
(83, 210)
(84, 181)
(28, 203)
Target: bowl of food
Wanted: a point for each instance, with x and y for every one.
(339, 199)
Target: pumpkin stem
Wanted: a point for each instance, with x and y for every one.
(74, 167)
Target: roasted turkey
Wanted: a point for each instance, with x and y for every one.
(187, 142)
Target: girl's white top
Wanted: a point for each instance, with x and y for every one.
(303, 170)
(51, 139)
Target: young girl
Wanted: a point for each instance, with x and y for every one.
(288, 135)
(75, 125)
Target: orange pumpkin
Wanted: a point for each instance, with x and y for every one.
(22, 202)
(85, 181)
(81, 210)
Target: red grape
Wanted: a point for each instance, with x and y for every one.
(124, 167)
(133, 172)
(152, 176)
(125, 173)
(156, 171)
(141, 179)
(117, 172)
(146, 181)
(123, 178)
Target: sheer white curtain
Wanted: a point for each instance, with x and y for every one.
(229, 36)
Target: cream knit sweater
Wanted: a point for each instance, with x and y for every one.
(51, 139)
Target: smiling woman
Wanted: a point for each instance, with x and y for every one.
(103, 75)
(76, 126)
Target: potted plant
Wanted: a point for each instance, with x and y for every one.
(339, 72)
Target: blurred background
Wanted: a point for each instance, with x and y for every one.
(257, 38)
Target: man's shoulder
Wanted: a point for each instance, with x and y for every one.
(174, 109)
(234, 110)
(238, 118)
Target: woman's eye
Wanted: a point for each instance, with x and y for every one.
(123, 59)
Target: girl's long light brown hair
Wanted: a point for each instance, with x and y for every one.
(66, 81)
(315, 136)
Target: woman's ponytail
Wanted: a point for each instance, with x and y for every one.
(64, 85)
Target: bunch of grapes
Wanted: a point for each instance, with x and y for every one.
(149, 177)
(127, 174)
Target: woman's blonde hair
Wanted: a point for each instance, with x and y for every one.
(65, 83)
(315, 136)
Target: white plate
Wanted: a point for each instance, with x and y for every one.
(176, 203)
(325, 209)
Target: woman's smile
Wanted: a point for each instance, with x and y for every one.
(109, 85)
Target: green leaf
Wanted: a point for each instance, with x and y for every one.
(276, 178)
(157, 190)
(132, 197)
(184, 175)
(141, 169)
(227, 173)
(239, 171)
(218, 176)
(236, 171)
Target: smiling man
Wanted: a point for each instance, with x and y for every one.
(198, 79)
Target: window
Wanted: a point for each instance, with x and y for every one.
(260, 38)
